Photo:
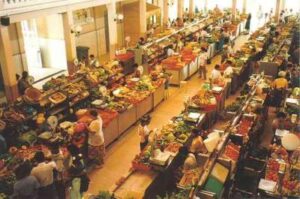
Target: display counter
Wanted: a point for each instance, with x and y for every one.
(158, 95)
(111, 131)
(193, 67)
(144, 106)
(178, 74)
(269, 68)
(127, 119)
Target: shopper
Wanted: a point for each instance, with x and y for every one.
(96, 148)
(170, 52)
(248, 22)
(281, 122)
(296, 56)
(23, 83)
(80, 181)
(168, 77)
(221, 41)
(58, 158)
(279, 85)
(144, 131)
(26, 186)
(228, 72)
(202, 63)
(216, 74)
(295, 78)
(93, 61)
(44, 174)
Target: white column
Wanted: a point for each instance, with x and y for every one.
(112, 28)
(233, 9)
(244, 6)
(143, 19)
(165, 12)
(180, 8)
(277, 10)
(191, 8)
(70, 42)
(8, 65)
(205, 6)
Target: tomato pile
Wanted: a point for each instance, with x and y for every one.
(244, 127)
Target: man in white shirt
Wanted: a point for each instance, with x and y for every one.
(96, 151)
(170, 52)
(202, 63)
(140, 68)
(216, 74)
(43, 172)
(229, 70)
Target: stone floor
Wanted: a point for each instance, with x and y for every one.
(120, 154)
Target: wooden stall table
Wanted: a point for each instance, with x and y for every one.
(158, 95)
(178, 74)
(111, 130)
(126, 119)
(193, 67)
(144, 106)
(269, 68)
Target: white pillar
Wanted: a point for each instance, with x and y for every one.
(70, 43)
(277, 10)
(165, 12)
(180, 8)
(205, 6)
(112, 28)
(244, 6)
(143, 19)
(7, 65)
(191, 8)
(233, 9)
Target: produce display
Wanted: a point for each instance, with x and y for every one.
(232, 151)
(171, 137)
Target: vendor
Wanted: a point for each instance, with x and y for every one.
(143, 131)
(139, 70)
(96, 149)
(23, 83)
(229, 69)
(216, 74)
(93, 61)
(197, 145)
(190, 163)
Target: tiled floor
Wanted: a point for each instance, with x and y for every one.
(120, 154)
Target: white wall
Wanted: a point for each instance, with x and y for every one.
(53, 53)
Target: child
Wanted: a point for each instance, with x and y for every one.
(143, 131)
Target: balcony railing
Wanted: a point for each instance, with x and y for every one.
(11, 7)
